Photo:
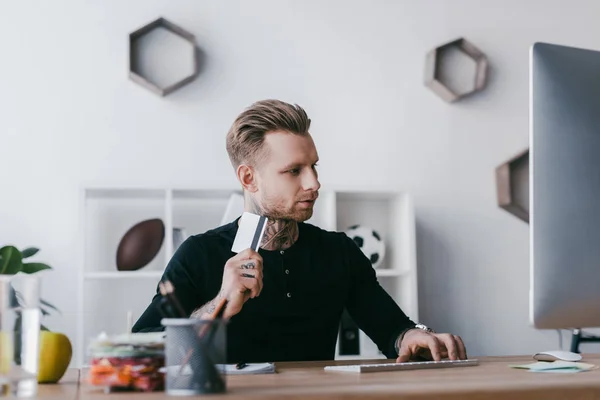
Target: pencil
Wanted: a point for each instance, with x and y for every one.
(167, 289)
(217, 313)
(220, 309)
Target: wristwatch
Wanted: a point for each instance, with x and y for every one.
(423, 327)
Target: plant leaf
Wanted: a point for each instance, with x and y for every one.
(31, 268)
(30, 251)
(43, 328)
(44, 302)
(12, 260)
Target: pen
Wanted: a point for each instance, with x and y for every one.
(240, 365)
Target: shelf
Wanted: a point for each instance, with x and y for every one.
(381, 212)
(124, 193)
(108, 212)
(196, 211)
(156, 44)
(512, 185)
(109, 216)
(364, 195)
(389, 272)
(199, 194)
(109, 304)
(439, 80)
(123, 274)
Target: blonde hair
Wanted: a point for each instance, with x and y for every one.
(247, 134)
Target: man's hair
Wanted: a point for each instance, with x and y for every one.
(247, 134)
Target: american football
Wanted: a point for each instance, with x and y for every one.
(140, 244)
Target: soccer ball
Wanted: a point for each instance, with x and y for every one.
(369, 242)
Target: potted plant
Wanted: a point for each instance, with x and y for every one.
(55, 348)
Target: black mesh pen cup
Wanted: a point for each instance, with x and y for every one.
(195, 356)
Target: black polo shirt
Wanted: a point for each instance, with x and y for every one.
(305, 289)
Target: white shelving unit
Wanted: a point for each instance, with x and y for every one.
(106, 294)
(391, 214)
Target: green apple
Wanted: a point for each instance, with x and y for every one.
(55, 356)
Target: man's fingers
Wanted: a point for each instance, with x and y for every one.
(248, 264)
(451, 345)
(404, 356)
(462, 351)
(244, 254)
(259, 281)
(250, 283)
(434, 347)
(251, 255)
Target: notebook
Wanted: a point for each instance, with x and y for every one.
(227, 369)
(258, 368)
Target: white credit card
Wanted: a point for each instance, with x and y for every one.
(250, 232)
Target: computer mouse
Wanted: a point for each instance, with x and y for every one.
(553, 355)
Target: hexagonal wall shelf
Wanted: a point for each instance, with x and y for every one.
(438, 79)
(139, 72)
(512, 185)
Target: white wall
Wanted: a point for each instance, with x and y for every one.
(70, 117)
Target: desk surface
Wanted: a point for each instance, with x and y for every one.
(490, 380)
(67, 389)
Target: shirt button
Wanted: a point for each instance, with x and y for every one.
(281, 252)
(287, 272)
(289, 295)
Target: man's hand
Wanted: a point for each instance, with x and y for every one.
(242, 280)
(418, 344)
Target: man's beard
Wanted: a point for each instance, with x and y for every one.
(277, 212)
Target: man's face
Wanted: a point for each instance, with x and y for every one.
(287, 178)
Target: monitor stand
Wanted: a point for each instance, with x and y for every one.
(578, 338)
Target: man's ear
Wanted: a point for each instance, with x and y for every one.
(247, 177)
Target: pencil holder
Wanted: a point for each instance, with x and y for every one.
(196, 356)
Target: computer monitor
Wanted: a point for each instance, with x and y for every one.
(564, 187)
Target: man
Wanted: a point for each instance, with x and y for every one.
(284, 302)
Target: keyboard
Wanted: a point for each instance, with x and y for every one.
(361, 368)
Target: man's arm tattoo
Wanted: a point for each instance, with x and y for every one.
(208, 308)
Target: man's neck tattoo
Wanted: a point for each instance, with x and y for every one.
(280, 234)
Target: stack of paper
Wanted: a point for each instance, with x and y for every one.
(563, 367)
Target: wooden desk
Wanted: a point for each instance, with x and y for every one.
(492, 379)
(67, 389)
